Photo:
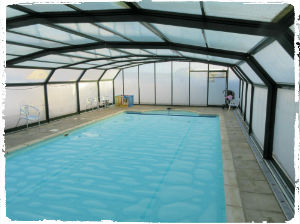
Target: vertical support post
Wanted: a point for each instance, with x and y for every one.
(251, 109)
(123, 80)
(113, 84)
(189, 84)
(139, 92)
(77, 91)
(46, 95)
(155, 83)
(246, 96)
(207, 87)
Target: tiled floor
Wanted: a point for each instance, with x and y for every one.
(248, 195)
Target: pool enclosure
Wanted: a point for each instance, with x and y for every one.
(163, 53)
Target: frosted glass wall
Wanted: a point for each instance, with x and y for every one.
(284, 130)
(180, 83)
(217, 83)
(61, 99)
(24, 75)
(163, 83)
(248, 103)
(244, 97)
(233, 83)
(87, 90)
(198, 87)
(147, 84)
(118, 84)
(259, 113)
(131, 83)
(18, 96)
(106, 90)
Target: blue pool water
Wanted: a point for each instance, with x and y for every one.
(130, 167)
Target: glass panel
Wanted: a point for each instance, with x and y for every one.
(30, 40)
(9, 57)
(182, 35)
(244, 97)
(248, 103)
(147, 84)
(217, 81)
(61, 99)
(110, 74)
(181, 7)
(39, 64)
(233, 83)
(284, 130)
(197, 66)
(225, 60)
(217, 68)
(87, 90)
(193, 55)
(198, 92)
(48, 7)
(247, 11)
(163, 83)
(259, 113)
(118, 84)
(65, 75)
(83, 54)
(277, 62)
(106, 52)
(100, 62)
(99, 5)
(92, 30)
(180, 83)
(42, 31)
(131, 83)
(132, 30)
(20, 50)
(231, 41)
(136, 51)
(60, 59)
(18, 96)
(83, 66)
(106, 90)
(13, 12)
(251, 74)
(21, 75)
(92, 74)
(161, 52)
(292, 27)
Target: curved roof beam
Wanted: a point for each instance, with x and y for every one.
(135, 45)
(152, 16)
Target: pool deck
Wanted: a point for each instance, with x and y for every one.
(248, 194)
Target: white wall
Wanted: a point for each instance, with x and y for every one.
(283, 143)
(118, 84)
(106, 89)
(163, 83)
(18, 96)
(87, 90)
(215, 91)
(198, 88)
(62, 99)
(259, 113)
(147, 84)
(131, 83)
(180, 83)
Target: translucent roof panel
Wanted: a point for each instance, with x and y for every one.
(180, 7)
(162, 52)
(99, 6)
(106, 52)
(23, 75)
(231, 41)
(42, 31)
(13, 12)
(20, 50)
(83, 54)
(225, 60)
(217, 68)
(48, 7)
(110, 74)
(247, 11)
(9, 57)
(132, 30)
(83, 66)
(193, 55)
(292, 28)
(197, 66)
(65, 75)
(93, 31)
(277, 62)
(251, 74)
(38, 64)
(92, 74)
(60, 59)
(31, 40)
(135, 51)
(99, 62)
(182, 35)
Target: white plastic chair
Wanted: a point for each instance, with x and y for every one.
(91, 103)
(29, 113)
(234, 103)
(103, 101)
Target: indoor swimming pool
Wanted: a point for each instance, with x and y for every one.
(134, 167)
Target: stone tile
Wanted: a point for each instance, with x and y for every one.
(232, 195)
(261, 216)
(255, 186)
(252, 174)
(230, 178)
(226, 155)
(266, 202)
(234, 214)
(228, 165)
(246, 164)
(243, 155)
